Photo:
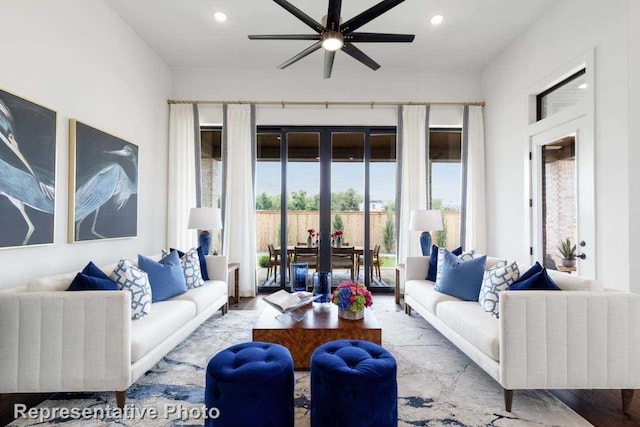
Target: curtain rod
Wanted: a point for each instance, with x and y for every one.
(328, 103)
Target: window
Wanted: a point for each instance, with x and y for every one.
(567, 93)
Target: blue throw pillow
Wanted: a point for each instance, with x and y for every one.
(433, 261)
(535, 269)
(92, 270)
(203, 264)
(84, 282)
(538, 281)
(166, 277)
(461, 279)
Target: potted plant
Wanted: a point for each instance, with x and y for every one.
(567, 252)
(351, 299)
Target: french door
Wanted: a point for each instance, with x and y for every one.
(324, 180)
(563, 205)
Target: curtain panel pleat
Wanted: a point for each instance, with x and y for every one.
(413, 175)
(239, 243)
(181, 184)
(475, 226)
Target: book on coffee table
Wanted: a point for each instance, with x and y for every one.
(284, 301)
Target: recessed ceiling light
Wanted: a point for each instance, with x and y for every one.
(437, 19)
(220, 16)
(582, 86)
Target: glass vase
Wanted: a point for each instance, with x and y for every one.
(322, 286)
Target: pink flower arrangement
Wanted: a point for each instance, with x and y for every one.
(311, 232)
(352, 296)
(336, 234)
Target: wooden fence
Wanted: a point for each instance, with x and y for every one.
(268, 226)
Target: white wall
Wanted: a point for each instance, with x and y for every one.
(367, 86)
(81, 60)
(566, 31)
(634, 138)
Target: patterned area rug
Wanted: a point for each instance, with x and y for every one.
(437, 384)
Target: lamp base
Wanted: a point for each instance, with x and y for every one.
(425, 243)
(204, 240)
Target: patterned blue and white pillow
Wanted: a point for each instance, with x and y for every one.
(496, 279)
(131, 278)
(191, 267)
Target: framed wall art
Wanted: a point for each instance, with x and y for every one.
(103, 185)
(27, 172)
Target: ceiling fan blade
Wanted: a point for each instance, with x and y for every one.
(368, 15)
(285, 37)
(329, 56)
(356, 53)
(379, 38)
(333, 15)
(301, 55)
(316, 26)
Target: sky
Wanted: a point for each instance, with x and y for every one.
(306, 176)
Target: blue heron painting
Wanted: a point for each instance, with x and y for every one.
(105, 185)
(27, 172)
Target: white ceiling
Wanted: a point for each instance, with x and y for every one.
(184, 34)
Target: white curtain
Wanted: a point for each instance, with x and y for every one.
(476, 219)
(182, 176)
(239, 243)
(413, 179)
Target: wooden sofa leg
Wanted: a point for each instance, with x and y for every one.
(508, 399)
(407, 309)
(121, 398)
(627, 396)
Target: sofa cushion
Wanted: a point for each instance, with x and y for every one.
(203, 296)
(190, 267)
(459, 278)
(165, 318)
(131, 278)
(84, 282)
(469, 320)
(536, 278)
(166, 276)
(424, 292)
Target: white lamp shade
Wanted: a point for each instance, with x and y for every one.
(205, 219)
(425, 220)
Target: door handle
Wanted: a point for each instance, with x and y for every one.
(582, 256)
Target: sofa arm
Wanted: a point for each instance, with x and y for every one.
(416, 268)
(65, 341)
(217, 267)
(569, 339)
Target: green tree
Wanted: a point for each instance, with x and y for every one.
(389, 233)
(346, 200)
(441, 238)
(337, 222)
(298, 201)
(390, 206)
(265, 202)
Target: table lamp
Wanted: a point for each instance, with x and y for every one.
(205, 219)
(425, 221)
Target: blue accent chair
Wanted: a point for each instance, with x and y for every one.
(250, 384)
(353, 383)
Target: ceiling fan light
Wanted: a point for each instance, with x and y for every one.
(332, 40)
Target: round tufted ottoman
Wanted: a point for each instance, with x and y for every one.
(250, 384)
(353, 383)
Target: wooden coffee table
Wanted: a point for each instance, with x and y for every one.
(321, 324)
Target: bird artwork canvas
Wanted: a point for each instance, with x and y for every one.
(27, 172)
(103, 183)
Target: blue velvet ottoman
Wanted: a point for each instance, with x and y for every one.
(353, 383)
(251, 384)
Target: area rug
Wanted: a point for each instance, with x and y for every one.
(437, 384)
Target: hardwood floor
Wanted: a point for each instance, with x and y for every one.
(599, 407)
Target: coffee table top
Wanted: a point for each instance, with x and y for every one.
(317, 316)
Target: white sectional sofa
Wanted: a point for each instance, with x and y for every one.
(582, 337)
(56, 341)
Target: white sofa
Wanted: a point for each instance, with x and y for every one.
(86, 341)
(582, 337)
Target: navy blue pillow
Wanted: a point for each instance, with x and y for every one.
(92, 270)
(461, 279)
(433, 261)
(535, 269)
(180, 253)
(84, 282)
(165, 277)
(539, 281)
(203, 264)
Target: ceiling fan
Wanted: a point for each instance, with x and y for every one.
(335, 35)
